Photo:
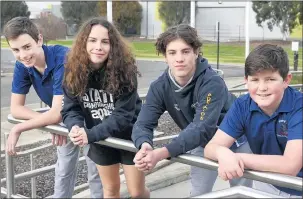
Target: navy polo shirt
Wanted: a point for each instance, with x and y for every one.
(46, 85)
(267, 134)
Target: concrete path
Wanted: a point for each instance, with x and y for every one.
(171, 181)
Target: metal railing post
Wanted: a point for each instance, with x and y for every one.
(33, 179)
(9, 164)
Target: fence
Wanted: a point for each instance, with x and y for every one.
(267, 177)
(227, 33)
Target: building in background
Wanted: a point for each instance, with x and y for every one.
(51, 23)
(56, 10)
(151, 25)
(231, 16)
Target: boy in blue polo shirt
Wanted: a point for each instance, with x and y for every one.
(270, 116)
(43, 67)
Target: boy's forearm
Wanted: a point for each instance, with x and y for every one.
(24, 113)
(162, 153)
(271, 163)
(44, 119)
(210, 151)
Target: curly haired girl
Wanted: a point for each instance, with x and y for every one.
(101, 101)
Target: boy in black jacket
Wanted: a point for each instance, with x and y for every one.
(197, 99)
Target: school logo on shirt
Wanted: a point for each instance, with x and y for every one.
(282, 130)
(100, 103)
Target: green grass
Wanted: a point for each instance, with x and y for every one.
(145, 49)
(297, 33)
(229, 52)
(52, 42)
(4, 43)
(61, 42)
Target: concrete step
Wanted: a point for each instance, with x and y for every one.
(164, 177)
(182, 189)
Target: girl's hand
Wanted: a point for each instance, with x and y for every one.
(83, 137)
(75, 135)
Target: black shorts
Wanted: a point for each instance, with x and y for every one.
(105, 156)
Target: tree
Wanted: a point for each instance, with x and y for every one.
(301, 13)
(283, 14)
(76, 12)
(173, 13)
(51, 27)
(127, 15)
(11, 9)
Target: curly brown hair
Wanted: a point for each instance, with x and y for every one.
(120, 68)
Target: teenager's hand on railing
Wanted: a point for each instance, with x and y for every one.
(74, 135)
(78, 136)
(230, 164)
(12, 140)
(138, 160)
(142, 164)
(58, 140)
(75, 129)
(151, 159)
(83, 134)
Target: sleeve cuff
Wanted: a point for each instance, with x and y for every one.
(174, 149)
(141, 140)
(69, 126)
(91, 138)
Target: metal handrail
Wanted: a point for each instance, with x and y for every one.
(238, 192)
(272, 178)
(296, 72)
(35, 172)
(267, 177)
(219, 72)
(240, 90)
(31, 151)
(4, 192)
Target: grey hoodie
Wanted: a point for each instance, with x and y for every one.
(197, 109)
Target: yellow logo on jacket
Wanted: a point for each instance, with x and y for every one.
(208, 100)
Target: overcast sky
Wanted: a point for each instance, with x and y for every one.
(35, 7)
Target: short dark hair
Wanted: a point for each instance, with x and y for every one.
(182, 31)
(18, 26)
(267, 57)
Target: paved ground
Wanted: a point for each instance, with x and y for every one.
(171, 181)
